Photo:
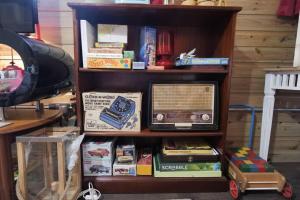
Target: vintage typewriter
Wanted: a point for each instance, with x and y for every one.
(119, 112)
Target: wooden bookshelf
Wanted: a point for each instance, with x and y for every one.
(208, 29)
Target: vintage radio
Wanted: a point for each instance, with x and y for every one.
(183, 106)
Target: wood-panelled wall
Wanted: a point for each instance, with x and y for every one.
(262, 41)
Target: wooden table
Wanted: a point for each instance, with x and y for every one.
(23, 121)
(287, 79)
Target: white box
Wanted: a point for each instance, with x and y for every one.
(97, 167)
(112, 33)
(102, 149)
(112, 111)
(128, 169)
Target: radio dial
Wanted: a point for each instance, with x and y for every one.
(159, 117)
(205, 117)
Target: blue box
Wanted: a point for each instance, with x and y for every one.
(148, 46)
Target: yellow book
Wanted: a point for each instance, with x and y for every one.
(109, 63)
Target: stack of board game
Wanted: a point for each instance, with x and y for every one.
(108, 51)
(186, 158)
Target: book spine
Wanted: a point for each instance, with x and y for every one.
(109, 45)
(184, 152)
(105, 55)
(106, 50)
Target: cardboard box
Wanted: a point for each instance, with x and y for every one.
(112, 111)
(102, 149)
(112, 33)
(108, 63)
(97, 167)
(125, 153)
(144, 163)
(138, 65)
(121, 169)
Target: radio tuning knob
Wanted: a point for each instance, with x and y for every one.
(159, 117)
(205, 117)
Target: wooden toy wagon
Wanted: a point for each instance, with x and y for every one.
(250, 172)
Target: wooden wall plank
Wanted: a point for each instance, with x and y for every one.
(263, 54)
(58, 36)
(265, 39)
(265, 23)
(254, 7)
(255, 69)
(55, 19)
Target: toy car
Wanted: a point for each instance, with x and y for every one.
(99, 169)
(99, 152)
(250, 172)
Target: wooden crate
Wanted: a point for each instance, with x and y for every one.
(54, 184)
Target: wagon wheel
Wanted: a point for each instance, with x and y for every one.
(235, 191)
(287, 191)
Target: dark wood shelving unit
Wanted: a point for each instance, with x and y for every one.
(208, 29)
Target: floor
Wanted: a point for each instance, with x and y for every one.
(291, 171)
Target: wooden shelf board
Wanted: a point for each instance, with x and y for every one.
(148, 133)
(192, 70)
(171, 8)
(149, 184)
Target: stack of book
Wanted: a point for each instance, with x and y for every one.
(187, 158)
(108, 50)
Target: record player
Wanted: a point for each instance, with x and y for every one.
(184, 106)
(117, 115)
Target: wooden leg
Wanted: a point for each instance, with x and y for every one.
(267, 117)
(61, 167)
(6, 174)
(22, 169)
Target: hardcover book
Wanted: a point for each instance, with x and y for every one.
(105, 55)
(106, 50)
(109, 45)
